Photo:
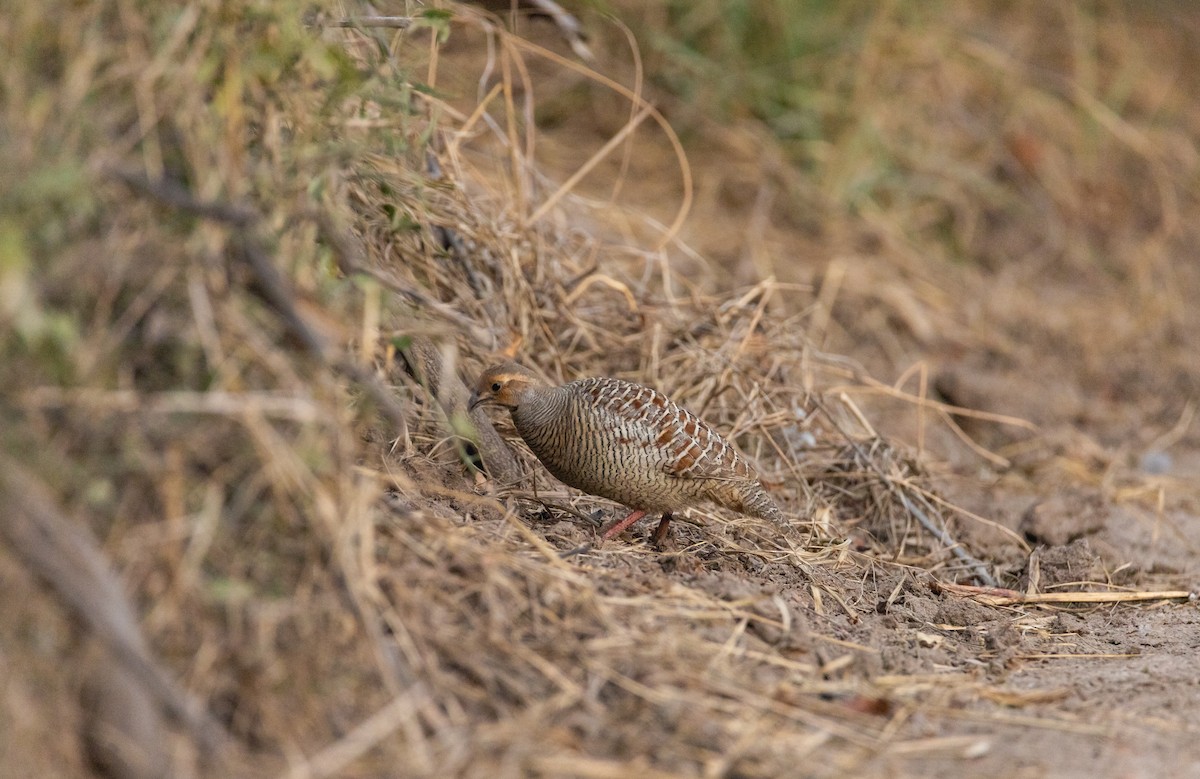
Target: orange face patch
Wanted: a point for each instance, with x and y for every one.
(502, 385)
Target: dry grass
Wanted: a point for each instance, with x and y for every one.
(222, 225)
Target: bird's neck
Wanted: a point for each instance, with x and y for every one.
(540, 405)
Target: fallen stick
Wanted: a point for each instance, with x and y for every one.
(68, 559)
(999, 596)
(423, 361)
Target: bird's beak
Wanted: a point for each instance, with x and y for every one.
(474, 402)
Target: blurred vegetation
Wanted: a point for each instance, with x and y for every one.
(962, 129)
(779, 62)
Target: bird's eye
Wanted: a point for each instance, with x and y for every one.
(495, 386)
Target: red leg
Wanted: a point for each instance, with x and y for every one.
(624, 523)
(660, 533)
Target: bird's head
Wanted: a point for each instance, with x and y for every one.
(503, 385)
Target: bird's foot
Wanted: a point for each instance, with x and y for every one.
(618, 527)
(660, 532)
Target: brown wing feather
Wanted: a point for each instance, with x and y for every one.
(689, 448)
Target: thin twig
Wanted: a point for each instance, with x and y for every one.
(977, 568)
(389, 22)
(334, 758)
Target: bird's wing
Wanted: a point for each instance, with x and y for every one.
(684, 445)
(697, 451)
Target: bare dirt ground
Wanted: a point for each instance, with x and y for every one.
(1004, 326)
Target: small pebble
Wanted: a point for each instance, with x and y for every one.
(1156, 462)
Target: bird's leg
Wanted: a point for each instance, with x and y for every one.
(660, 532)
(624, 523)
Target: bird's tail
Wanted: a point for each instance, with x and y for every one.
(756, 502)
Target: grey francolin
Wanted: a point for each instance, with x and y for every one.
(627, 443)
